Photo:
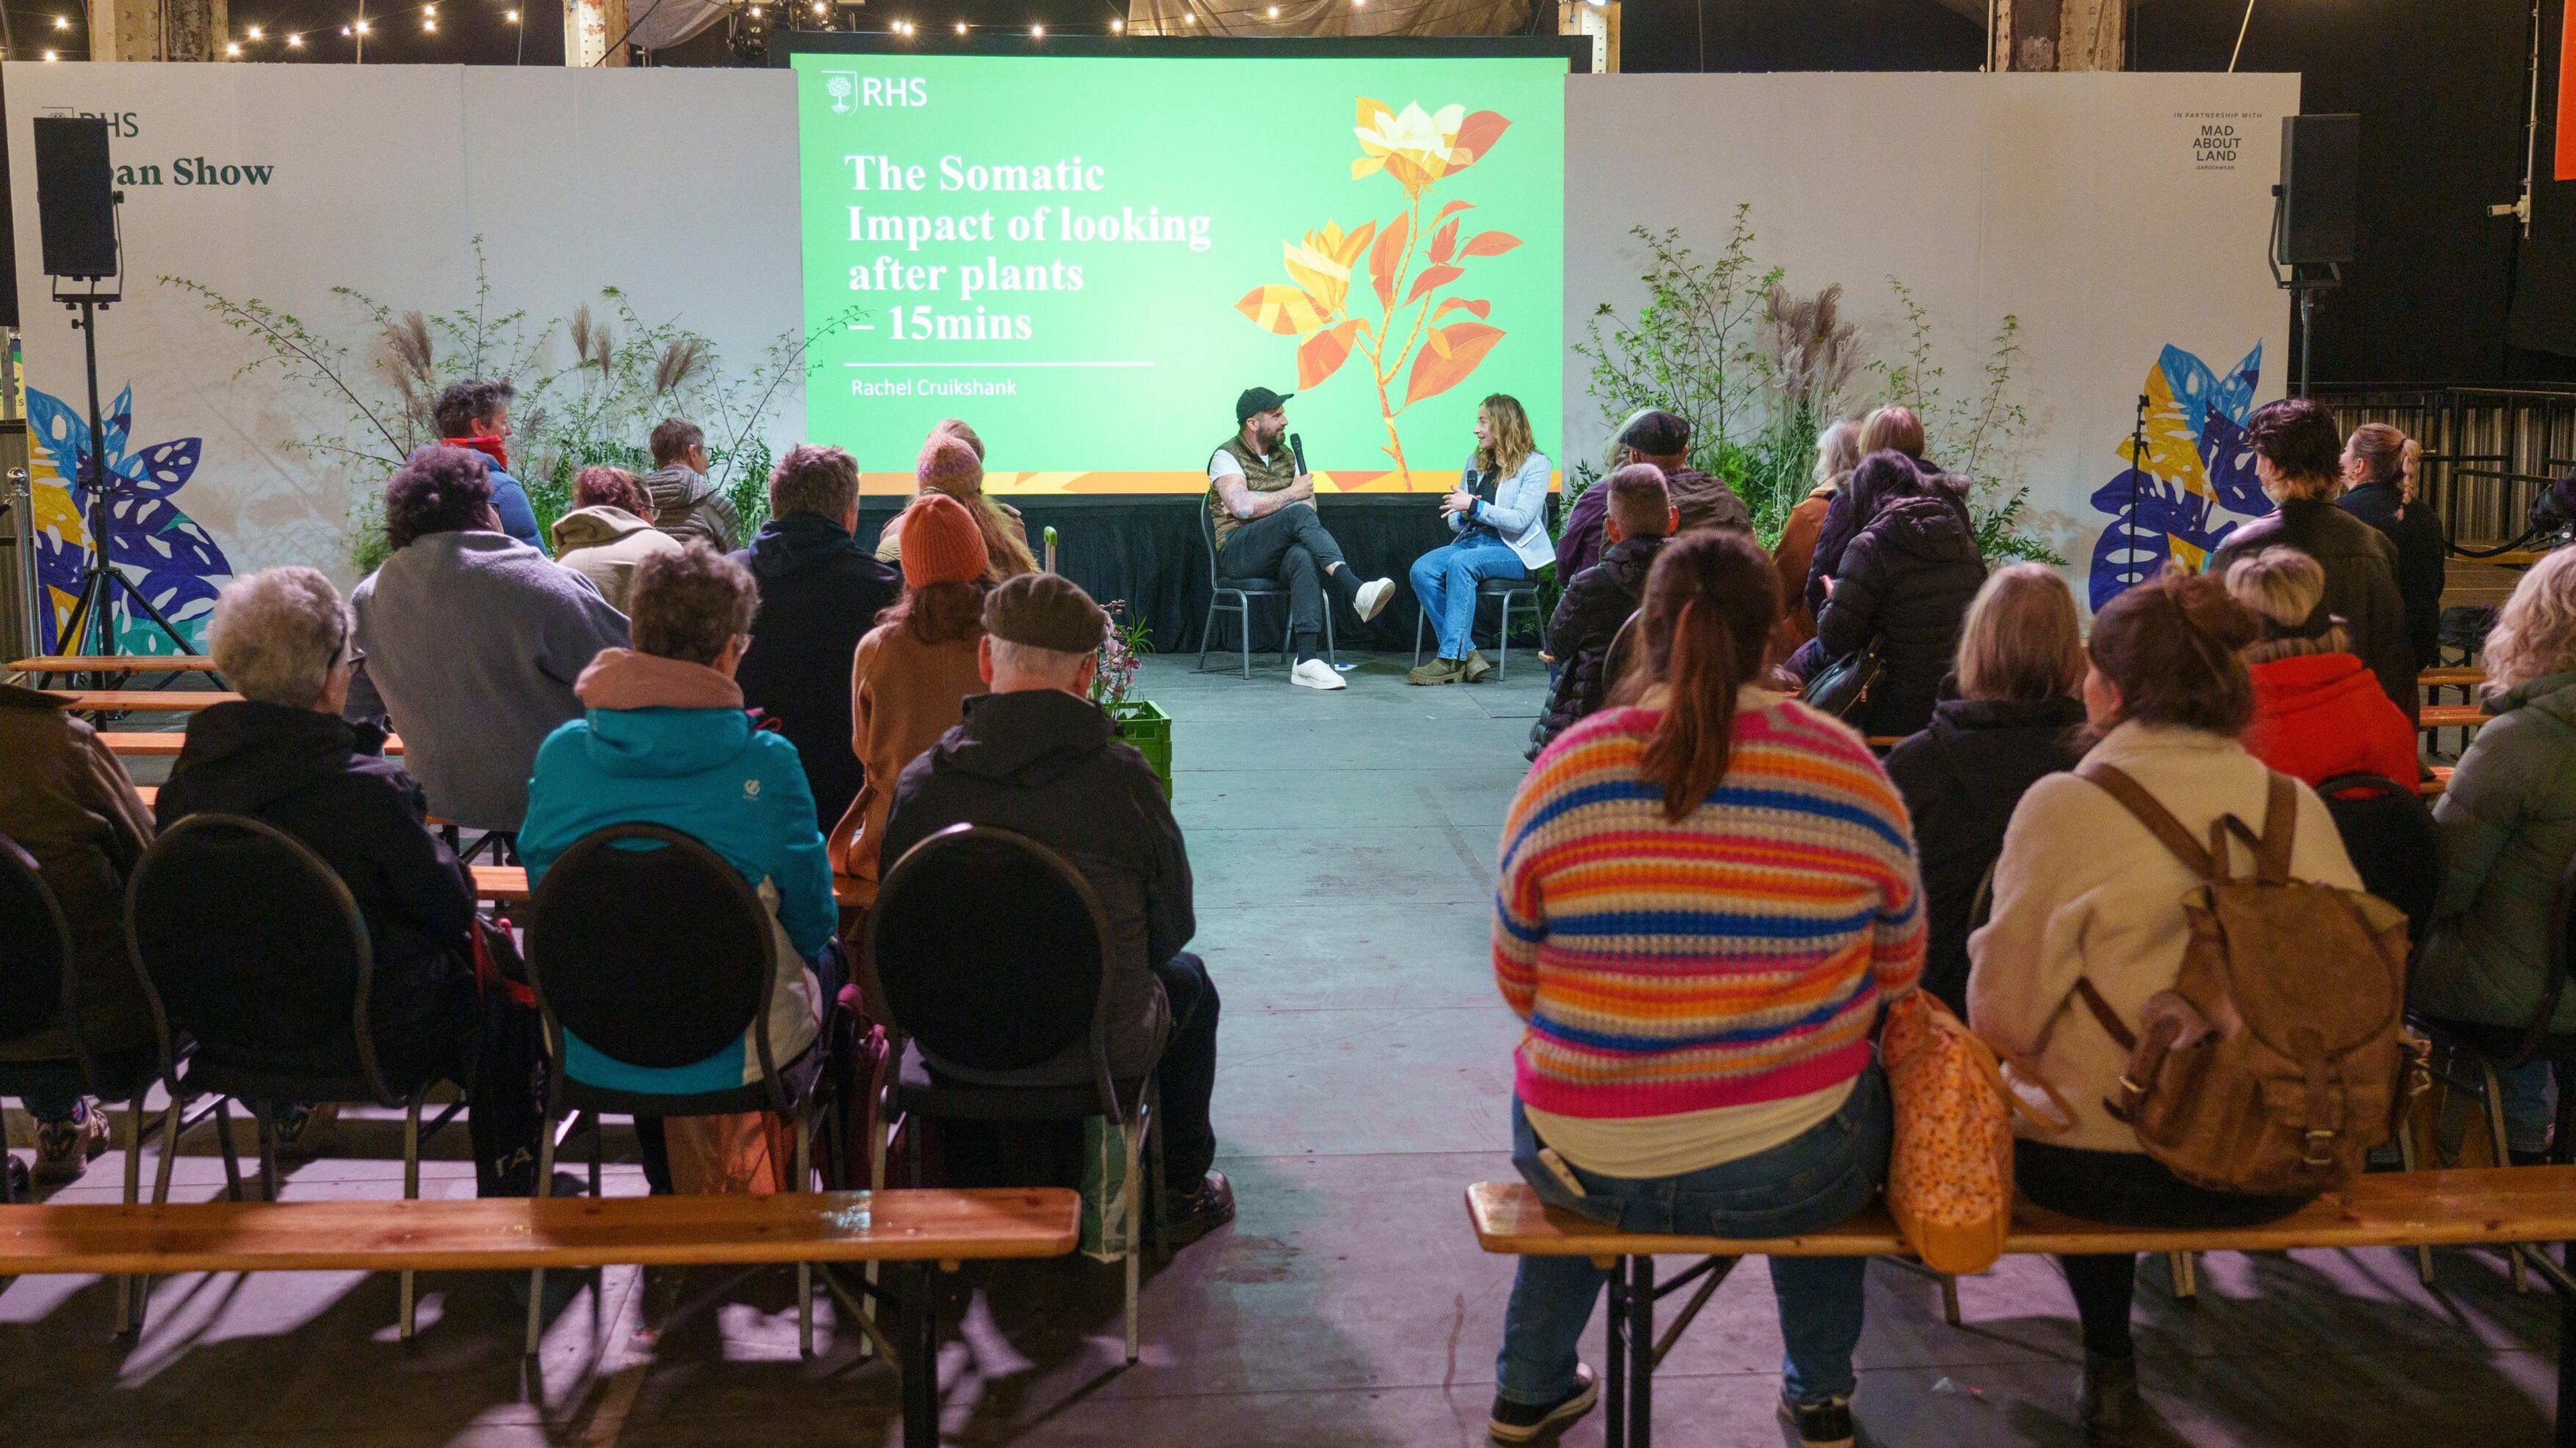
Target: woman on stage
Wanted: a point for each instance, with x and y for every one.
(1499, 513)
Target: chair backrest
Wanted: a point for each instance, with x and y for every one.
(652, 949)
(1207, 535)
(1615, 658)
(251, 945)
(2389, 834)
(35, 945)
(991, 951)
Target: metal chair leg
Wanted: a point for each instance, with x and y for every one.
(232, 1156)
(2406, 1162)
(1421, 616)
(268, 1186)
(169, 1150)
(1207, 635)
(411, 1193)
(545, 1188)
(1503, 641)
(1132, 1194)
(599, 1149)
(1950, 1299)
(1243, 620)
(804, 1270)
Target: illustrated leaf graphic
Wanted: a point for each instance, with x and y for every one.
(1323, 354)
(1387, 257)
(1433, 276)
(1453, 206)
(1453, 352)
(1444, 243)
(1476, 136)
(1490, 243)
(1461, 304)
(1281, 308)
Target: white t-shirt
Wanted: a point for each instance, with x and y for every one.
(1223, 465)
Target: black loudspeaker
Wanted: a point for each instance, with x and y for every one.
(75, 197)
(2320, 188)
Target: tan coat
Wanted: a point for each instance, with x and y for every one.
(1791, 559)
(603, 544)
(65, 800)
(904, 694)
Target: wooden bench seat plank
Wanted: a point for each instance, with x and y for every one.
(114, 664)
(517, 1233)
(2451, 678)
(2461, 1207)
(144, 701)
(508, 884)
(2451, 716)
(164, 743)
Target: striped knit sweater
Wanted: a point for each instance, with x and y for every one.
(1736, 957)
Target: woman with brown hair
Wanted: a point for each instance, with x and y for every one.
(952, 463)
(2382, 488)
(609, 530)
(2088, 917)
(1746, 856)
(1498, 519)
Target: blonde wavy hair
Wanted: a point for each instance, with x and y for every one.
(1512, 441)
(2535, 633)
(2282, 587)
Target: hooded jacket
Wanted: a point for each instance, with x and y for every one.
(1849, 508)
(1961, 777)
(2422, 552)
(1596, 602)
(65, 800)
(687, 504)
(2507, 826)
(1044, 764)
(820, 592)
(1702, 501)
(603, 544)
(2320, 715)
(1906, 581)
(667, 742)
(2361, 583)
(326, 782)
(1795, 554)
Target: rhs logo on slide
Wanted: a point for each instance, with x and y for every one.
(848, 90)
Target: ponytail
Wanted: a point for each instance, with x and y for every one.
(1711, 602)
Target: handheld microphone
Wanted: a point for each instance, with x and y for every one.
(1297, 445)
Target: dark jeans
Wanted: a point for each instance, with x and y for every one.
(1290, 547)
(1186, 1077)
(2124, 1189)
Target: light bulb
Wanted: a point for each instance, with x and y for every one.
(820, 8)
(1274, 12)
(344, 30)
(232, 49)
(429, 25)
(295, 42)
(1189, 17)
(1037, 32)
(511, 16)
(961, 27)
(49, 55)
(365, 29)
(62, 22)
(255, 33)
(1118, 27)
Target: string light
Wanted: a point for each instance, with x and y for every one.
(1189, 17)
(365, 29)
(821, 9)
(961, 27)
(1274, 12)
(429, 25)
(62, 22)
(232, 50)
(344, 30)
(1037, 32)
(511, 16)
(295, 41)
(255, 33)
(49, 55)
(1118, 27)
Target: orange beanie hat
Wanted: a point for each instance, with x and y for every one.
(941, 543)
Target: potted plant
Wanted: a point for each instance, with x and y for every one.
(1139, 722)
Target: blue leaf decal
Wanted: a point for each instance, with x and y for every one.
(174, 560)
(2235, 399)
(2141, 535)
(2229, 460)
(2194, 386)
(160, 468)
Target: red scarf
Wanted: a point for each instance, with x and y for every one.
(491, 447)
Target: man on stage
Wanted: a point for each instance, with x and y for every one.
(1263, 506)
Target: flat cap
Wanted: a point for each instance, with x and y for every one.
(1657, 434)
(1045, 611)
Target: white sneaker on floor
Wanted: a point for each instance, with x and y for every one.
(1372, 597)
(1316, 674)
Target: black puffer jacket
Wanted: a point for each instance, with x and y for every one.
(1906, 581)
(1961, 777)
(819, 593)
(1596, 602)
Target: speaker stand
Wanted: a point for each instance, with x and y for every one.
(2303, 285)
(94, 606)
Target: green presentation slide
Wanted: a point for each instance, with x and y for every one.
(1089, 257)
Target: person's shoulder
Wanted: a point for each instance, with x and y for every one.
(1800, 725)
(1594, 741)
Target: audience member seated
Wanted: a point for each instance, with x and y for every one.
(472, 642)
(2317, 712)
(609, 530)
(2299, 458)
(2508, 828)
(1903, 585)
(913, 672)
(2382, 487)
(476, 416)
(1888, 429)
(943, 468)
(1261, 514)
(1038, 758)
(2087, 900)
(1499, 514)
(686, 502)
(65, 800)
(666, 742)
(283, 755)
(1740, 1097)
(1639, 521)
(1662, 439)
(1837, 453)
(819, 591)
(2021, 665)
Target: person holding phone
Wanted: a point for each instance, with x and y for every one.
(1261, 503)
(1499, 514)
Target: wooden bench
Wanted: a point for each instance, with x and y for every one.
(922, 1228)
(508, 884)
(164, 744)
(2441, 780)
(114, 664)
(143, 701)
(2451, 716)
(2484, 1206)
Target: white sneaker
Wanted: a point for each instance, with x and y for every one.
(1372, 597)
(1316, 674)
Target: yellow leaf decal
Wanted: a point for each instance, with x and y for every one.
(1285, 310)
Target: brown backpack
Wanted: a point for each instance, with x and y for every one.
(2277, 1060)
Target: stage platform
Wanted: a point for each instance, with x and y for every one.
(1343, 846)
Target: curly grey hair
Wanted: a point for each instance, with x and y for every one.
(277, 634)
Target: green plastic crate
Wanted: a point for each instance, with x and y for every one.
(1142, 723)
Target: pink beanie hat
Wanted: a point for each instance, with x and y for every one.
(948, 465)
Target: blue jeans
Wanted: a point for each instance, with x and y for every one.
(1445, 580)
(2530, 1106)
(1803, 1185)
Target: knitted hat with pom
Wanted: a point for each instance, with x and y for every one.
(941, 543)
(948, 465)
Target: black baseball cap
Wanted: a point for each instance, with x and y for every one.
(1256, 401)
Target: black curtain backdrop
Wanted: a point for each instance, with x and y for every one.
(1146, 551)
(2544, 293)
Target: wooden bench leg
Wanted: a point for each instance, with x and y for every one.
(1614, 1328)
(920, 1365)
(1641, 1351)
(2186, 1276)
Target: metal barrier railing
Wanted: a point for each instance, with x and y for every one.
(2489, 452)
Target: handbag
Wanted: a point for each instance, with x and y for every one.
(1950, 1167)
(1842, 687)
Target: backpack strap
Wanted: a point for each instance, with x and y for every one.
(2280, 832)
(2159, 821)
(2126, 1039)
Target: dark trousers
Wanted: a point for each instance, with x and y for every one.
(2124, 1189)
(1290, 547)
(1186, 1077)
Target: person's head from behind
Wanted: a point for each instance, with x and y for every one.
(819, 480)
(607, 487)
(694, 605)
(1658, 437)
(2535, 632)
(949, 464)
(1041, 631)
(1881, 478)
(1837, 453)
(2285, 590)
(2298, 455)
(2165, 653)
(2021, 642)
(474, 409)
(2379, 453)
(944, 560)
(679, 444)
(439, 489)
(1503, 438)
(1892, 428)
(1641, 506)
(1711, 602)
(956, 427)
(283, 637)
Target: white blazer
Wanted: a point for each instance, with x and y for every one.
(1518, 512)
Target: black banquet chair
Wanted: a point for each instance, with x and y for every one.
(259, 969)
(651, 951)
(1245, 590)
(973, 916)
(1511, 593)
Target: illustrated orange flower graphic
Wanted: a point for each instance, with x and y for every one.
(1408, 266)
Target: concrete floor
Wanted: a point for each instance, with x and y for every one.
(1343, 846)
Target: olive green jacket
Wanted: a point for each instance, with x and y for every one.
(2508, 830)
